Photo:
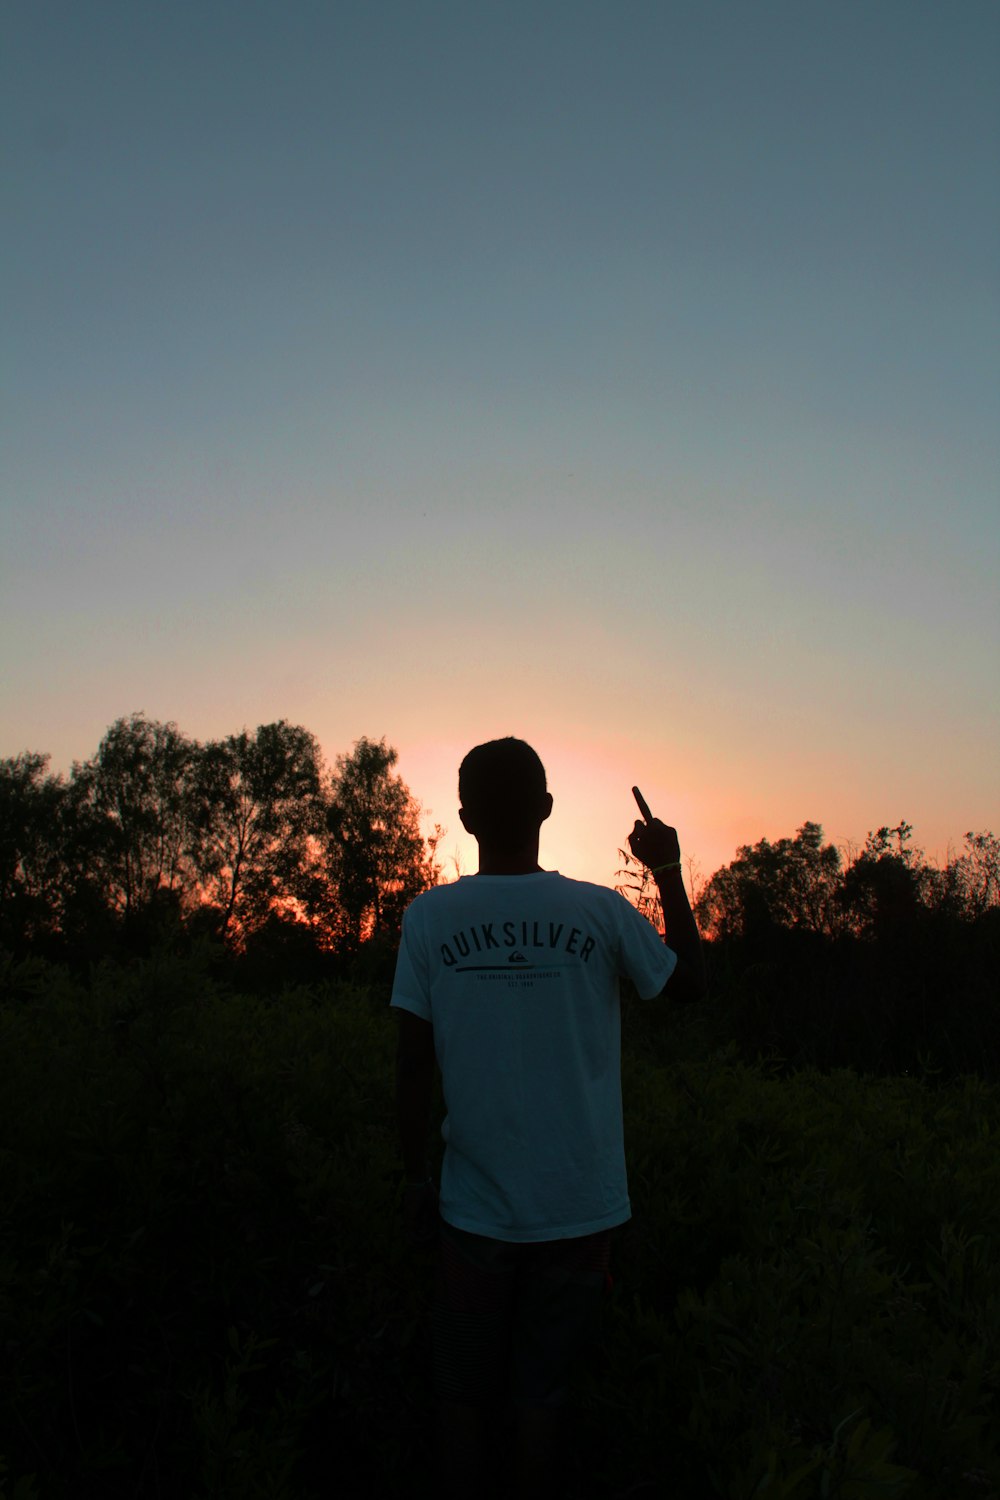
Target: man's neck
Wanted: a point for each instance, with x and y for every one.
(523, 863)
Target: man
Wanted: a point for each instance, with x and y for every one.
(509, 979)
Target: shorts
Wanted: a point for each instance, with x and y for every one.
(510, 1320)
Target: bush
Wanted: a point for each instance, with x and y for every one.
(204, 1290)
(815, 1284)
(198, 1259)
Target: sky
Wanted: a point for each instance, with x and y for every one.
(621, 376)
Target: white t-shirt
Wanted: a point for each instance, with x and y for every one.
(518, 974)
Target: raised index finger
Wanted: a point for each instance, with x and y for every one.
(643, 804)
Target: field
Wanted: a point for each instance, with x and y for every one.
(204, 1290)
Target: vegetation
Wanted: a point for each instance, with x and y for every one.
(882, 963)
(237, 837)
(204, 1286)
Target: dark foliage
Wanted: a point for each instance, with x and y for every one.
(161, 839)
(204, 1288)
(885, 964)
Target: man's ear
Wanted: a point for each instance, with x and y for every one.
(464, 818)
(547, 806)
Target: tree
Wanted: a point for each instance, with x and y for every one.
(970, 883)
(32, 862)
(258, 809)
(886, 884)
(376, 857)
(791, 883)
(132, 811)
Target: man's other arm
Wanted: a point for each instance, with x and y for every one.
(414, 1087)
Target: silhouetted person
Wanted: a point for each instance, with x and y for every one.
(509, 978)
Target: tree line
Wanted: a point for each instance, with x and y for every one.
(229, 838)
(252, 833)
(805, 885)
(872, 957)
(802, 885)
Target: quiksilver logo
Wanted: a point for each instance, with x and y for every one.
(485, 937)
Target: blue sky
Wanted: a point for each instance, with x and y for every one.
(620, 376)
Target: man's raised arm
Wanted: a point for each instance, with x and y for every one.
(657, 846)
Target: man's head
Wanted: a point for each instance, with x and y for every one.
(501, 786)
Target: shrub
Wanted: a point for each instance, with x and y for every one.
(204, 1290)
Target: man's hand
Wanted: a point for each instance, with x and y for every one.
(654, 843)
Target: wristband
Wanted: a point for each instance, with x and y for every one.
(658, 869)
